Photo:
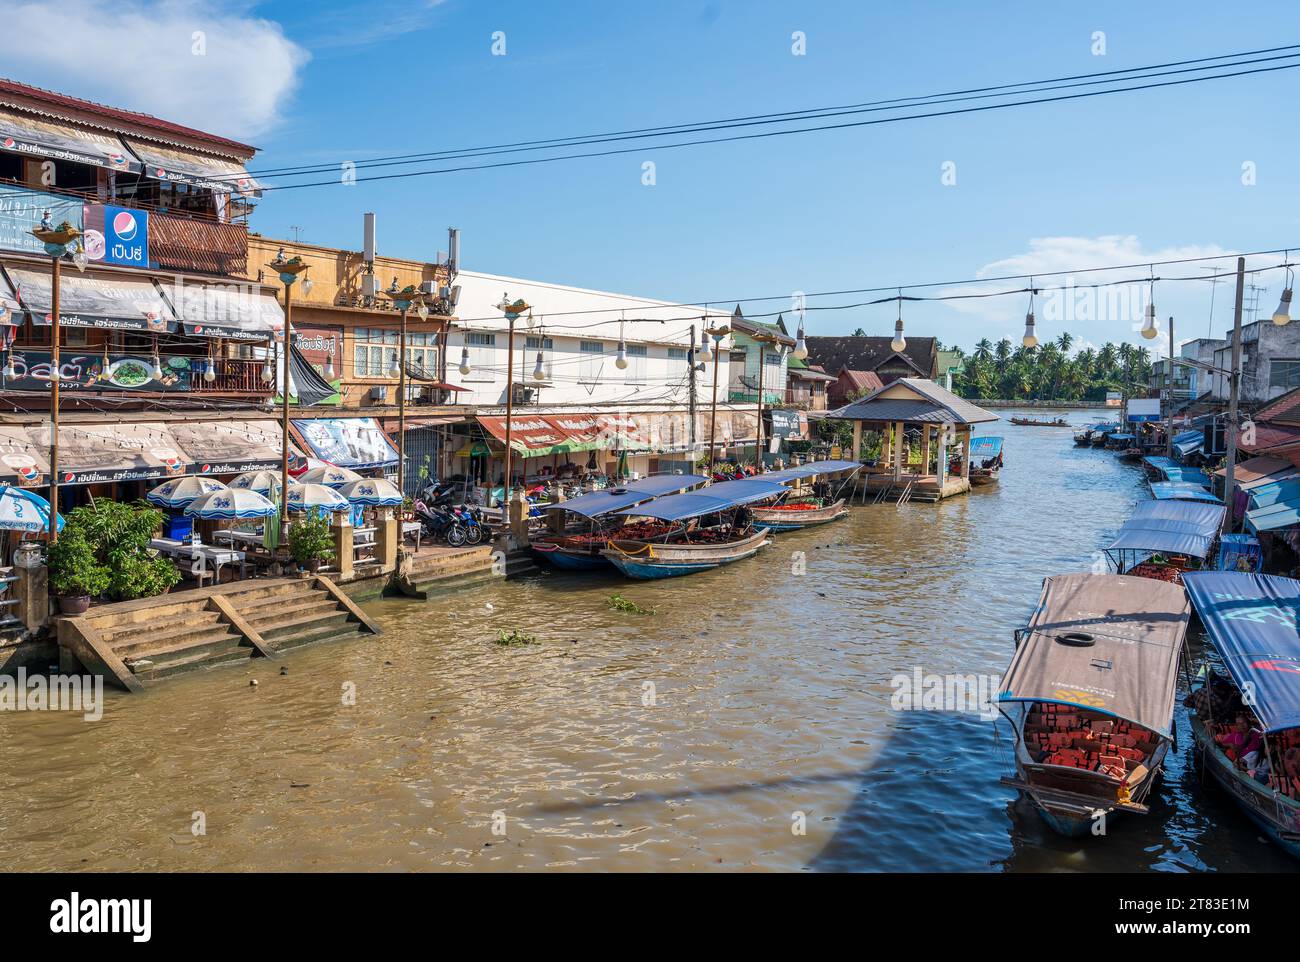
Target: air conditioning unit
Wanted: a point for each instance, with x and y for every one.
(378, 393)
(523, 394)
(428, 287)
(369, 285)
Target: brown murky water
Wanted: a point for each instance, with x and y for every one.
(771, 698)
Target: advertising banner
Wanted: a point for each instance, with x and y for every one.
(116, 235)
(87, 372)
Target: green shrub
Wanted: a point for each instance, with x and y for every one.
(310, 539)
(142, 577)
(118, 536)
(74, 570)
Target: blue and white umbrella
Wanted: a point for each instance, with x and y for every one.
(24, 511)
(265, 483)
(372, 493)
(181, 492)
(330, 475)
(231, 505)
(315, 497)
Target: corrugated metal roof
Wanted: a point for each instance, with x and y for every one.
(933, 405)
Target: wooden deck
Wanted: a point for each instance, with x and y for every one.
(909, 487)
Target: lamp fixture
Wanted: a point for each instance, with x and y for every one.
(1282, 316)
(1150, 328)
(706, 349)
(800, 345)
(464, 362)
(899, 343)
(1030, 340)
(539, 369)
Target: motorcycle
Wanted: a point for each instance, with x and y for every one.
(469, 520)
(441, 522)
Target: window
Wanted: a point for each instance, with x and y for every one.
(592, 359)
(422, 353)
(677, 354)
(482, 354)
(531, 346)
(636, 362)
(1284, 373)
(374, 350)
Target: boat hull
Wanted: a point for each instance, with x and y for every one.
(775, 520)
(568, 560)
(980, 478)
(652, 560)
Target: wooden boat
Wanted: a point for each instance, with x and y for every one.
(799, 515)
(1246, 615)
(654, 559)
(1083, 439)
(581, 551)
(1092, 687)
(1161, 540)
(989, 452)
(1036, 423)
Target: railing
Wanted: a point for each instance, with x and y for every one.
(186, 244)
(235, 375)
(806, 400)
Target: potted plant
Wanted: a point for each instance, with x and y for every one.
(75, 574)
(311, 542)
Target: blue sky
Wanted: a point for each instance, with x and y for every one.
(1129, 177)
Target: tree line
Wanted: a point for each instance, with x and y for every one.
(1049, 372)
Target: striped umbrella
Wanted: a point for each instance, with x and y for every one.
(24, 511)
(329, 475)
(231, 505)
(181, 492)
(372, 492)
(314, 497)
(265, 483)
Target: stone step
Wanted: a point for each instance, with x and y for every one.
(271, 590)
(290, 626)
(146, 615)
(195, 619)
(248, 603)
(212, 639)
(275, 614)
(422, 567)
(153, 669)
(313, 635)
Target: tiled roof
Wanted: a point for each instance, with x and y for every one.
(858, 353)
(132, 119)
(930, 404)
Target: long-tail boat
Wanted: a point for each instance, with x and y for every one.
(988, 451)
(1090, 695)
(1040, 423)
(578, 548)
(1250, 620)
(1163, 539)
(798, 511)
(699, 548)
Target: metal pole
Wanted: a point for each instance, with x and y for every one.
(1169, 424)
(690, 360)
(284, 416)
(1230, 430)
(713, 415)
(401, 406)
(510, 400)
(758, 449)
(54, 399)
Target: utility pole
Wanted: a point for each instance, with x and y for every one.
(1169, 390)
(1234, 392)
(690, 360)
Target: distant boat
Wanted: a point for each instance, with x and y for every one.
(1038, 423)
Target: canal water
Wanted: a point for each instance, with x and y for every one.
(745, 725)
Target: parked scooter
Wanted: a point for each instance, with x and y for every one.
(441, 522)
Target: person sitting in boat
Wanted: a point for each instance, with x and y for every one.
(742, 521)
(1235, 739)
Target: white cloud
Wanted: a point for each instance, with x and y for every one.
(143, 55)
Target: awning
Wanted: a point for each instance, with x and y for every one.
(1251, 471)
(36, 137)
(230, 447)
(1275, 492)
(1251, 620)
(1166, 537)
(1181, 491)
(1159, 461)
(811, 469)
(1188, 442)
(1275, 517)
(1188, 475)
(235, 311)
(716, 497)
(985, 447)
(536, 435)
(1205, 519)
(108, 303)
(1104, 643)
(193, 168)
(599, 503)
(347, 442)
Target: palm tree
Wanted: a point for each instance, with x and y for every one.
(983, 349)
(1065, 341)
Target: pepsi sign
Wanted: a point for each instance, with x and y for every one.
(117, 235)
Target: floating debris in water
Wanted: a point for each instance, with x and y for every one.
(627, 605)
(514, 638)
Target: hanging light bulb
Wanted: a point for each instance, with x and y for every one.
(79, 258)
(54, 373)
(1149, 327)
(800, 345)
(293, 388)
(539, 369)
(464, 362)
(899, 343)
(393, 369)
(1282, 316)
(423, 311)
(620, 361)
(1030, 339)
(9, 370)
(210, 371)
(268, 369)
(307, 285)
(329, 367)
(706, 348)
(157, 372)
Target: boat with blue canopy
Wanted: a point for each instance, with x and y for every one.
(1190, 475)
(696, 547)
(1120, 441)
(578, 547)
(1253, 685)
(987, 451)
(1155, 465)
(1090, 693)
(800, 509)
(1182, 491)
(1188, 443)
(1163, 539)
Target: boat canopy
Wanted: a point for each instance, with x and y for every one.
(1122, 437)
(1166, 537)
(1188, 442)
(1104, 643)
(1192, 475)
(1274, 517)
(608, 501)
(716, 497)
(1251, 621)
(1181, 491)
(1160, 461)
(985, 447)
(1275, 493)
(1207, 518)
(809, 470)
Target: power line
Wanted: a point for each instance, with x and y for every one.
(783, 133)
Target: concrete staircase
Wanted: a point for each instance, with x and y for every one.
(142, 641)
(426, 576)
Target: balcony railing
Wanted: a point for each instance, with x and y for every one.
(187, 244)
(235, 375)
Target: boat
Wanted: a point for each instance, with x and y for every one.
(696, 548)
(1084, 438)
(1182, 491)
(1037, 423)
(579, 549)
(1162, 540)
(1090, 695)
(989, 453)
(1155, 466)
(1119, 440)
(1250, 620)
(799, 514)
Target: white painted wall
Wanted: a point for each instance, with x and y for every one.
(568, 316)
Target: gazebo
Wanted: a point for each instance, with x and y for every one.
(907, 472)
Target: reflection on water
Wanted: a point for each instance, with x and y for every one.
(752, 700)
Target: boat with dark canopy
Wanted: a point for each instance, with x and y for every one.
(797, 511)
(579, 547)
(1090, 694)
(1251, 621)
(691, 548)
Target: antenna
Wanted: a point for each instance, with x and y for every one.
(297, 232)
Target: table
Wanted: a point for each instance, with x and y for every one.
(214, 559)
(254, 538)
(413, 528)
